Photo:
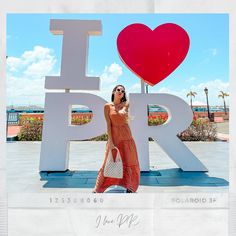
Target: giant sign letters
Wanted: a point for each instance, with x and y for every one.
(58, 131)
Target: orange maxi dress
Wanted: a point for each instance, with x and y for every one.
(123, 140)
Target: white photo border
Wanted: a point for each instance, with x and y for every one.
(119, 6)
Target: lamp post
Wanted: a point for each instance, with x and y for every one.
(146, 88)
(208, 110)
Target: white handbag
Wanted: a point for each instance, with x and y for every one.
(114, 169)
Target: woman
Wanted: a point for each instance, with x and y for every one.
(119, 135)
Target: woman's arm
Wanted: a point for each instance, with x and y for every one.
(106, 114)
(126, 106)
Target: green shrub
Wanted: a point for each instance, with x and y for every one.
(31, 130)
(103, 137)
(157, 120)
(200, 130)
(80, 121)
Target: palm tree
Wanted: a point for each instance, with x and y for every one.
(223, 95)
(191, 94)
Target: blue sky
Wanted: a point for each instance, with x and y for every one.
(33, 53)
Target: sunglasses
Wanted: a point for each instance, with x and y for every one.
(119, 90)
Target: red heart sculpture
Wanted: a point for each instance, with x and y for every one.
(153, 54)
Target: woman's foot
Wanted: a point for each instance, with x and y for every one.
(94, 191)
(129, 191)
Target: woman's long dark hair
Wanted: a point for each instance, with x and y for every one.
(123, 99)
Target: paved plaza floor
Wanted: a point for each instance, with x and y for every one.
(86, 159)
(168, 202)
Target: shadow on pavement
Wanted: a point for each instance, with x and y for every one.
(159, 178)
(177, 177)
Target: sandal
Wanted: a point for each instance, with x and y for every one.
(129, 191)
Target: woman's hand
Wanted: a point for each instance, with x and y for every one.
(123, 111)
(111, 144)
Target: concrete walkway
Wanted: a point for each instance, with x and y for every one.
(87, 157)
(223, 127)
(223, 131)
(223, 137)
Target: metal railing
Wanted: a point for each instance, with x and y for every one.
(12, 118)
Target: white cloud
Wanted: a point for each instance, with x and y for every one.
(25, 75)
(105, 93)
(38, 53)
(32, 64)
(25, 80)
(135, 88)
(165, 90)
(108, 79)
(40, 68)
(213, 86)
(198, 103)
(13, 63)
(111, 73)
(25, 91)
